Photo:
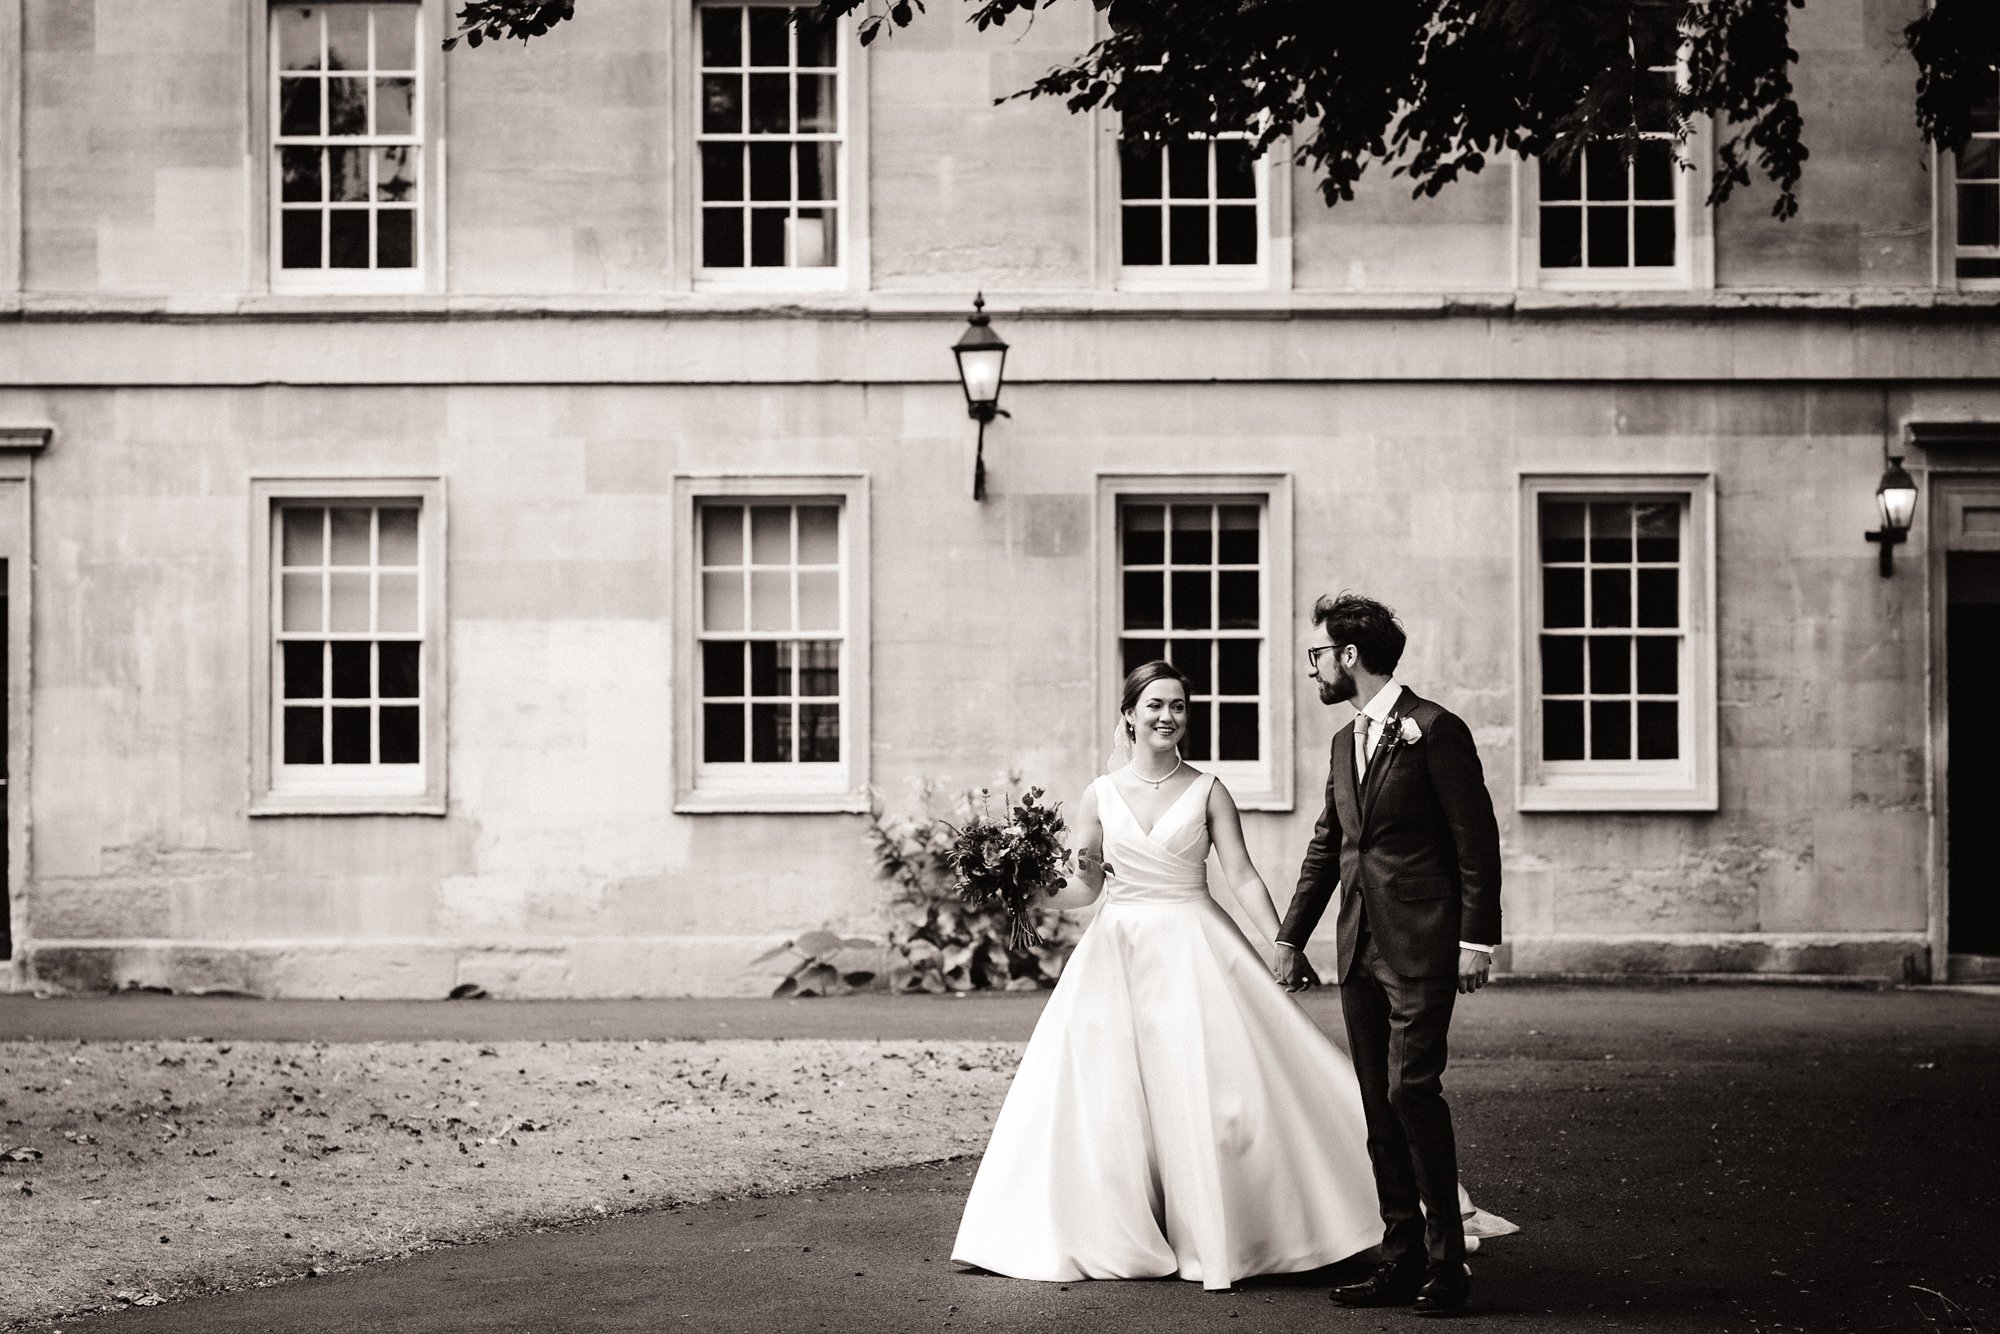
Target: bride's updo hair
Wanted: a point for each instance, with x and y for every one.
(1144, 675)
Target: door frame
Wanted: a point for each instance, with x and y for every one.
(18, 447)
(1965, 458)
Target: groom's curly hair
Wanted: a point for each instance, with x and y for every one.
(1365, 623)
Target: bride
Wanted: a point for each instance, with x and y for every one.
(1176, 1111)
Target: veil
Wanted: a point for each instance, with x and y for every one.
(1121, 748)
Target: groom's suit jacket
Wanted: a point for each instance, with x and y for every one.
(1414, 844)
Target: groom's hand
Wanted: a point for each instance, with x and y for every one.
(1473, 966)
(1294, 970)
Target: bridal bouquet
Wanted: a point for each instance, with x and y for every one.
(1011, 860)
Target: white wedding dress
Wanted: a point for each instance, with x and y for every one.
(1175, 1111)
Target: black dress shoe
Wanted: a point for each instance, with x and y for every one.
(1389, 1285)
(1446, 1292)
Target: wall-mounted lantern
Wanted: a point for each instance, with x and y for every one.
(982, 361)
(1896, 501)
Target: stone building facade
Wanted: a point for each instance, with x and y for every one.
(493, 516)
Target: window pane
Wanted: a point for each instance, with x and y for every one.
(299, 168)
(396, 669)
(1973, 266)
(1193, 530)
(819, 600)
(1139, 170)
(812, 238)
(1979, 215)
(1979, 160)
(399, 734)
(1187, 169)
(1191, 599)
(298, 38)
(1607, 243)
(1560, 181)
(1562, 598)
(770, 35)
(1562, 665)
(721, 35)
(395, 239)
(1653, 170)
(722, 733)
(1235, 172)
(1659, 532)
(770, 668)
(1653, 237)
(301, 594)
(298, 106)
(1236, 732)
(1237, 542)
(1236, 235)
(1610, 665)
(1237, 605)
(722, 171)
(1610, 598)
(396, 37)
(304, 741)
(1562, 531)
(1562, 730)
(819, 535)
(819, 733)
(771, 600)
(1659, 665)
(1139, 239)
(1659, 731)
(722, 103)
(350, 736)
(816, 43)
(346, 109)
(770, 733)
(1187, 234)
(298, 246)
(767, 237)
(1610, 534)
(351, 669)
(347, 238)
(1562, 238)
(818, 176)
(304, 535)
(722, 667)
(770, 171)
(1659, 597)
(1610, 730)
(722, 601)
(1604, 171)
(395, 106)
(396, 536)
(305, 670)
(819, 669)
(770, 104)
(770, 534)
(1144, 531)
(1237, 662)
(1145, 605)
(818, 113)
(395, 174)
(347, 175)
(1192, 657)
(349, 602)
(346, 36)
(1137, 651)
(722, 238)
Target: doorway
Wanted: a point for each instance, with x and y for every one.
(1972, 763)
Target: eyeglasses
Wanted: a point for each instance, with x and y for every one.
(1312, 654)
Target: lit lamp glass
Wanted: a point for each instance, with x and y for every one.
(982, 364)
(1896, 500)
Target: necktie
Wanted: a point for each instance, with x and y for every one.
(1361, 745)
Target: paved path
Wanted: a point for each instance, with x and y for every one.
(1681, 1158)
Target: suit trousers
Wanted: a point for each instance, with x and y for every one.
(1396, 1030)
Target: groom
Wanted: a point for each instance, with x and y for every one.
(1408, 830)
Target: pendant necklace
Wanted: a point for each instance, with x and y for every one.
(1155, 783)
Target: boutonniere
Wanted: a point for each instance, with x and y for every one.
(1401, 731)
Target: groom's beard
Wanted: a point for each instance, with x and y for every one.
(1340, 689)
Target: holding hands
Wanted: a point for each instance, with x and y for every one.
(1294, 971)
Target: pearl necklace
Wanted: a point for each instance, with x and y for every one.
(1155, 783)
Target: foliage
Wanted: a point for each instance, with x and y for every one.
(1436, 89)
(1010, 862)
(945, 943)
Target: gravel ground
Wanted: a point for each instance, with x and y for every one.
(136, 1172)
